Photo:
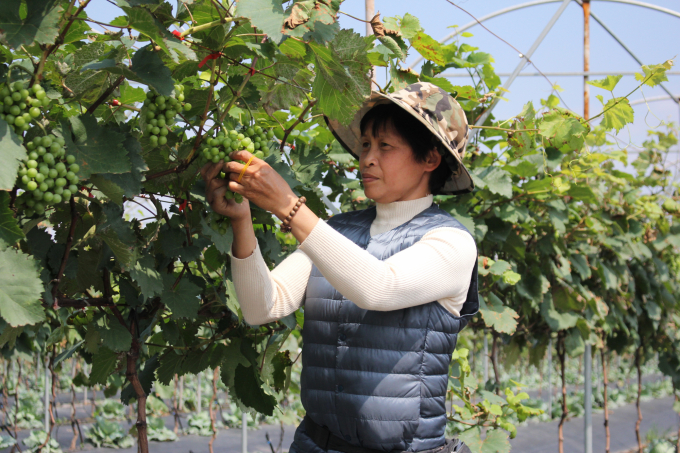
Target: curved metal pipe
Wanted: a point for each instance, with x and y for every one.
(544, 2)
(655, 99)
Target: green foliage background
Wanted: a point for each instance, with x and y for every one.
(577, 241)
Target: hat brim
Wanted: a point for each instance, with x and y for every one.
(350, 138)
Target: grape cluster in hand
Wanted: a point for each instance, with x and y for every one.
(219, 223)
(252, 139)
(160, 114)
(19, 106)
(47, 176)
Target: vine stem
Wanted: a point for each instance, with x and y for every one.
(620, 99)
(299, 120)
(502, 129)
(207, 26)
(565, 409)
(105, 94)
(638, 365)
(211, 409)
(58, 42)
(133, 377)
(605, 379)
(67, 251)
(238, 92)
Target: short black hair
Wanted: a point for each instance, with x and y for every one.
(416, 134)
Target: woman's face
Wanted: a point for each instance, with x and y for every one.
(389, 169)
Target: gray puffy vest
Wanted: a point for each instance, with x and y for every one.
(378, 379)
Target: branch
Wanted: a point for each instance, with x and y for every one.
(620, 99)
(202, 27)
(238, 92)
(105, 94)
(64, 260)
(298, 121)
(502, 129)
(84, 303)
(58, 42)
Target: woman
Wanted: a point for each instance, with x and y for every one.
(386, 290)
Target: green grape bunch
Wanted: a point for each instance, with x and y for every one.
(218, 222)
(160, 112)
(252, 139)
(47, 176)
(19, 106)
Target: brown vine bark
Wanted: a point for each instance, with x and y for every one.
(605, 378)
(16, 404)
(561, 353)
(638, 367)
(211, 408)
(5, 396)
(494, 362)
(133, 377)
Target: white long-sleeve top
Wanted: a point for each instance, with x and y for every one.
(437, 267)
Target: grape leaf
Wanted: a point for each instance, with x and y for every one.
(222, 241)
(116, 337)
(144, 273)
(501, 318)
(183, 299)
(9, 229)
(130, 183)
(497, 181)
(103, 364)
(97, 149)
(496, 441)
(654, 74)
(617, 113)
(149, 68)
(267, 15)
(170, 365)
(556, 320)
(12, 153)
(428, 47)
(20, 289)
(40, 24)
(564, 131)
(608, 83)
(248, 386)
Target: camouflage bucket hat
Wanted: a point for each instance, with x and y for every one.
(433, 107)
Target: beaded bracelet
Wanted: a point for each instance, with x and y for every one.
(285, 223)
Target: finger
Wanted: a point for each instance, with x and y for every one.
(204, 171)
(214, 185)
(243, 155)
(214, 170)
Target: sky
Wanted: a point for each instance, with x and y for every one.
(653, 36)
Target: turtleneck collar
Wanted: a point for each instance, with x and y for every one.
(391, 215)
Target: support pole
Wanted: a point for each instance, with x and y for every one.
(198, 393)
(47, 394)
(486, 358)
(370, 12)
(586, 58)
(244, 432)
(588, 400)
(550, 367)
(520, 66)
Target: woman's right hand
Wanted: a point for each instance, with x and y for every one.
(216, 187)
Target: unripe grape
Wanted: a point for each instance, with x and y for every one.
(48, 196)
(270, 134)
(160, 121)
(149, 95)
(16, 96)
(152, 107)
(37, 194)
(32, 164)
(35, 103)
(187, 107)
(150, 115)
(24, 93)
(55, 148)
(156, 130)
(153, 139)
(70, 175)
(153, 122)
(27, 117)
(53, 173)
(58, 190)
(50, 183)
(10, 119)
(180, 97)
(8, 100)
(250, 131)
(39, 178)
(47, 141)
(257, 129)
(44, 186)
(23, 171)
(25, 179)
(45, 102)
(214, 151)
(34, 112)
(148, 128)
(41, 150)
(170, 114)
(250, 148)
(73, 188)
(30, 202)
(70, 159)
(31, 186)
(57, 198)
(33, 155)
(162, 140)
(163, 132)
(256, 145)
(221, 155)
(216, 158)
(66, 194)
(60, 166)
(60, 182)
(259, 154)
(15, 110)
(241, 136)
(48, 159)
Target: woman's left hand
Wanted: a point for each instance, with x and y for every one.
(260, 184)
